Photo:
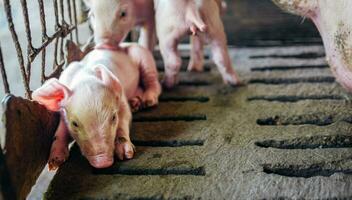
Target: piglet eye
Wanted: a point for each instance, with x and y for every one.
(123, 14)
(75, 124)
(113, 118)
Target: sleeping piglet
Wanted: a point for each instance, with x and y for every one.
(93, 98)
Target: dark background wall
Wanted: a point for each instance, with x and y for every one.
(261, 22)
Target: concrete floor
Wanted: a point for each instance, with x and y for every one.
(286, 134)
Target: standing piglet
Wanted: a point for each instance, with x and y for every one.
(112, 20)
(201, 18)
(92, 96)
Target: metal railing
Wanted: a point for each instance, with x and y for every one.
(66, 23)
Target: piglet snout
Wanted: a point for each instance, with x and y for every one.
(101, 161)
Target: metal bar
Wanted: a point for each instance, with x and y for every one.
(56, 12)
(70, 15)
(63, 25)
(62, 12)
(63, 32)
(55, 53)
(42, 18)
(57, 25)
(44, 37)
(61, 48)
(3, 73)
(17, 46)
(30, 49)
(76, 21)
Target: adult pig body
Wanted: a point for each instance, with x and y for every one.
(333, 19)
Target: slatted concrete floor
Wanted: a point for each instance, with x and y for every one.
(286, 134)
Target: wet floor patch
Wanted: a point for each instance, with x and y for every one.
(255, 43)
(294, 98)
(171, 143)
(318, 169)
(287, 81)
(309, 55)
(187, 118)
(194, 83)
(309, 119)
(313, 142)
(200, 99)
(207, 67)
(289, 68)
(181, 171)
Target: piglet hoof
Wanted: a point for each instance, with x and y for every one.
(58, 155)
(195, 67)
(169, 82)
(194, 29)
(150, 99)
(232, 80)
(124, 149)
(135, 104)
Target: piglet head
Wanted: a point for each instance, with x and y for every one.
(112, 20)
(90, 111)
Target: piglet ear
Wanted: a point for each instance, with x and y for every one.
(51, 94)
(108, 79)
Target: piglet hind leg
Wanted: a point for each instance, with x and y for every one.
(59, 149)
(172, 61)
(124, 149)
(149, 76)
(137, 101)
(152, 89)
(150, 81)
(221, 56)
(196, 62)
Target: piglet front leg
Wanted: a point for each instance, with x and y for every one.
(59, 149)
(152, 87)
(136, 102)
(124, 149)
